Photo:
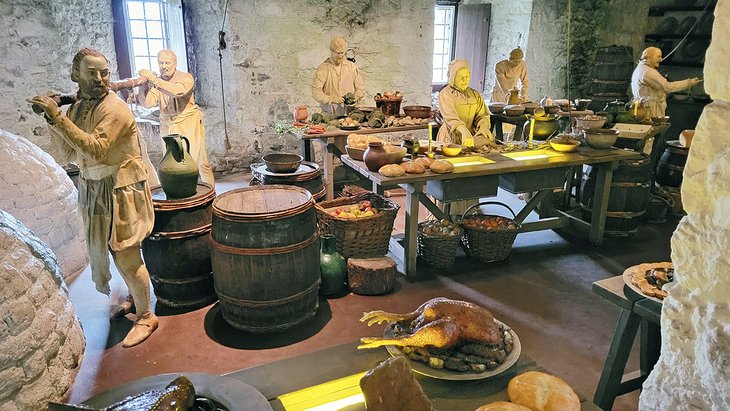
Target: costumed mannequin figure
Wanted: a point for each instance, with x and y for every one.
(466, 119)
(336, 77)
(99, 133)
(173, 92)
(650, 87)
(509, 74)
(465, 116)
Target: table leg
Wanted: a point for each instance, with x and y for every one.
(609, 385)
(600, 202)
(307, 150)
(328, 172)
(410, 250)
(651, 342)
(497, 125)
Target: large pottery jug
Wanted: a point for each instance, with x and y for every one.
(514, 96)
(545, 127)
(178, 171)
(333, 267)
(375, 156)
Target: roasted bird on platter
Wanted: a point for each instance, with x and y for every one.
(444, 333)
(179, 395)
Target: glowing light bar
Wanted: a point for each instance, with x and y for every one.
(469, 161)
(532, 157)
(329, 396)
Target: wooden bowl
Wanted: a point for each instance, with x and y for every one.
(417, 111)
(395, 154)
(283, 162)
(355, 153)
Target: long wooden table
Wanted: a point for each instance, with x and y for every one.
(292, 374)
(476, 181)
(328, 141)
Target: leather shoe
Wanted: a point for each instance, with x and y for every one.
(142, 328)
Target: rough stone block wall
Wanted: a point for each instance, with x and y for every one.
(38, 39)
(693, 371)
(41, 340)
(37, 191)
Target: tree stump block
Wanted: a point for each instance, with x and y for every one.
(371, 276)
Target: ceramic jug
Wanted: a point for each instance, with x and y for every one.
(514, 96)
(178, 171)
(333, 267)
(301, 114)
(375, 156)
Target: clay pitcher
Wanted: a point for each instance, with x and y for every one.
(514, 96)
(301, 114)
(178, 171)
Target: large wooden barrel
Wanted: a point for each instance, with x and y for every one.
(307, 176)
(671, 164)
(265, 256)
(628, 197)
(177, 253)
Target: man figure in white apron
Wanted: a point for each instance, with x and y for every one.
(99, 134)
(336, 77)
(173, 92)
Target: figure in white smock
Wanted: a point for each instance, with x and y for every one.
(510, 74)
(173, 92)
(336, 77)
(650, 87)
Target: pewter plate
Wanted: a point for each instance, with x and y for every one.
(642, 268)
(230, 392)
(445, 374)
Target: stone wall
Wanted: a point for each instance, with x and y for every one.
(41, 341)
(37, 191)
(38, 39)
(693, 371)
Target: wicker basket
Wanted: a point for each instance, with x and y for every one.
(488, 245)
(436, 251)
(361, 237)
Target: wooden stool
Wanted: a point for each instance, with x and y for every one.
(635, 313)
(371, 276)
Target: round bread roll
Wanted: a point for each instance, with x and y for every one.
(392, 170)
(441, 166)
(542, 392)
(412, 167)
(502, 406)
(424, 161)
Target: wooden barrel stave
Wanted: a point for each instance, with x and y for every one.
(671, 164)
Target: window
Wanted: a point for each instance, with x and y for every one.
(143, 28)
(443, 36)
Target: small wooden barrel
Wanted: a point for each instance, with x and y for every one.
(307, 176)
(627, 200)
(671, 165)
(177, 253)
(265, 257)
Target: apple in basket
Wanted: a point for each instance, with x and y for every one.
(360, 210)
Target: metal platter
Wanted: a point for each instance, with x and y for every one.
(628, 274)
(445, 374)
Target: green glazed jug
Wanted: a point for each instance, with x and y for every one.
(178, 171)
(333, 267)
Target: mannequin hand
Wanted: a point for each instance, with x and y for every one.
(148, 74)
(695, 80)
(467, 142)
(337, 100)
(47, 106)
(465, 135)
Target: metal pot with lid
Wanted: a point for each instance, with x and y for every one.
(614, 107)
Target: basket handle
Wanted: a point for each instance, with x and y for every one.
(487, 203)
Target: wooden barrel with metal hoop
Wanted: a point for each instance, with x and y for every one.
(671, 164)
(307, 176)
(628, 197)
(265, 256)
(177, 253)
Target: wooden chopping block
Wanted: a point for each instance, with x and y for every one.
(371, 276)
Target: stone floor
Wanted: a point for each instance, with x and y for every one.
(543, 291)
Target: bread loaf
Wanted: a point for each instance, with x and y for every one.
(413, 167)
(542, 392)
(441, 166)
(424, 161)
(392, 170)
(502, 406)
(391, 386)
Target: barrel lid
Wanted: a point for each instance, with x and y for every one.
(304, 168)
(204, 192)
(262, 202)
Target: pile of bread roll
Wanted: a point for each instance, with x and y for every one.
(536, 391)
(417, 166)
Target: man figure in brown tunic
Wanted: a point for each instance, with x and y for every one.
(173, 92)
(99, 134)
